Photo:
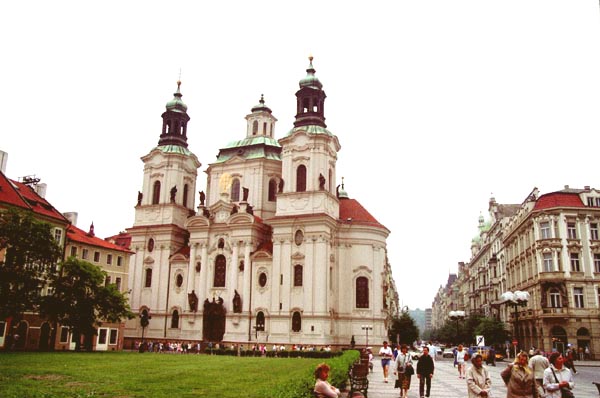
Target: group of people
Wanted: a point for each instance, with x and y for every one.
(403, 368)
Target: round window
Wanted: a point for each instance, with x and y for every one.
(262, 279)
(179, 280)
(299, 237)
(150, 244)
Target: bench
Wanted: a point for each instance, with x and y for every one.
(359, 381)
(597, 385)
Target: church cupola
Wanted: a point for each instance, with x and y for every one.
(310, 100)
(175, 119)
(261, 122)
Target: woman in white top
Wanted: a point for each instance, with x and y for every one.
(401, 365)
(557, 376)
(322, 387)
(460, 360)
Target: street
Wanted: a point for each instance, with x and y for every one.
(446, 384)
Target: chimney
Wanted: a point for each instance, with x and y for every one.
(71, 216)
(40, 189)
(3, 160)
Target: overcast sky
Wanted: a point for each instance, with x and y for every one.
(437, 104)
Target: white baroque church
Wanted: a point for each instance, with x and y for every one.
(275, 252)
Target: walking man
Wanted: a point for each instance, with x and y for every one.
(539, 363)
(425, 369)
(478, 379)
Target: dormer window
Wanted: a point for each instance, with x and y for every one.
(255, 127)
(593, 202)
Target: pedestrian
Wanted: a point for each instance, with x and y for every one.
(539, 363)
(322, 387)
(386, 356)
(460, 361)
(425, 368)
(557, 377)
(403, 368)
(569, 359)
(519, 378)
(479, 383)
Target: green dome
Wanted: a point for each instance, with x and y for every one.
(176, 104)
(311, 80)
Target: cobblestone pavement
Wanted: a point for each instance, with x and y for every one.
(446, 384)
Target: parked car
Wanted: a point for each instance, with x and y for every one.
(448, 352)
(484, 352)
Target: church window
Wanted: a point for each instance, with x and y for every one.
(301, 178)
(235, 190)
(148, 281)
(272, 190)
(297, 275)
(260, 321)
(265, 128)
(220, 269)
(255, 127)
(185, 195)
(305, 105)
(179, 280)
(298, 237)
(262, 279)
(296, 322)
(271, 130)
(156, 192)
(175, 320)
(150, 245)
(362, 292)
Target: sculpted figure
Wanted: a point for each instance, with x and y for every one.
(193, 301)
(321, 182)
(246, 191)
(173, 192)
(202, 198)
(237, 303)
(139, 200)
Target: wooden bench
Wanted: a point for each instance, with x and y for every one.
(597, 385)
(359, 381)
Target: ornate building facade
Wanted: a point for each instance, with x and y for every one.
(275, 252)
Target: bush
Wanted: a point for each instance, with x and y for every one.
(303, 387)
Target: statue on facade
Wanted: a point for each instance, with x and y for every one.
(193, 301)
(246, 191)
(281, 185)
(237, 303)
(139, 200)
(202, 198)
(173, 192)
(321, 182)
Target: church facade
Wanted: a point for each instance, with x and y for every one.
(274, 252)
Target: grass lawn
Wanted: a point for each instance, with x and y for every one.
(130, 374)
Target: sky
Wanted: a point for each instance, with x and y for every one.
(438, 105)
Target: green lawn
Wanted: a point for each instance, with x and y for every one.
(129, 374)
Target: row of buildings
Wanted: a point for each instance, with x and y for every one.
(548, 247)
(274, 250)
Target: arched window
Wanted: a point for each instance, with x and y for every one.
(272, 190)
(156, 192)
(175, 320)
(297, 275)
(255, 127)
(185, 195)
(362, 292)
(301, 178)
(260, 321)
(296, 322)
(179, 280)
(220, 269)
(148, 281)
(235, 190)
(265, 128)
(554, 298)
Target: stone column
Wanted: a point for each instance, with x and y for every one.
(321, 265)
(233, 272)
(278, 254)
(203, 285)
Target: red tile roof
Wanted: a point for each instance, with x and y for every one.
(123, 239)
(352, 211)
(75, 234)
(21, 195)
(266, 246)
(558, 199)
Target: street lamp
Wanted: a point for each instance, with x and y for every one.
(366, 328)
(457, 316)
(516, 299)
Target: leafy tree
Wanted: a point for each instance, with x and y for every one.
(493, 330)
(405, 327)
(31, 256)
(81, 301)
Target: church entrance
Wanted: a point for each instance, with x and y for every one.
(213, 320)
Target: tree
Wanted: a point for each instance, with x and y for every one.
(405, 327)
(81, 301)
(493, 330)
(31, 256)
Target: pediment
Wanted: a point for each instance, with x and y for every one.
(148, 260)
(362, 268)
(198, 221)
(179, 258)
(240, 218)
(298, 256)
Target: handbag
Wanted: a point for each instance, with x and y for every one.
(409, 370)
(564, 391)
(398, 384)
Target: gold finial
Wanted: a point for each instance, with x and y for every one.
(262, 98)
(310, 57)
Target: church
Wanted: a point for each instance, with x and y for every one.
(275, 250)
